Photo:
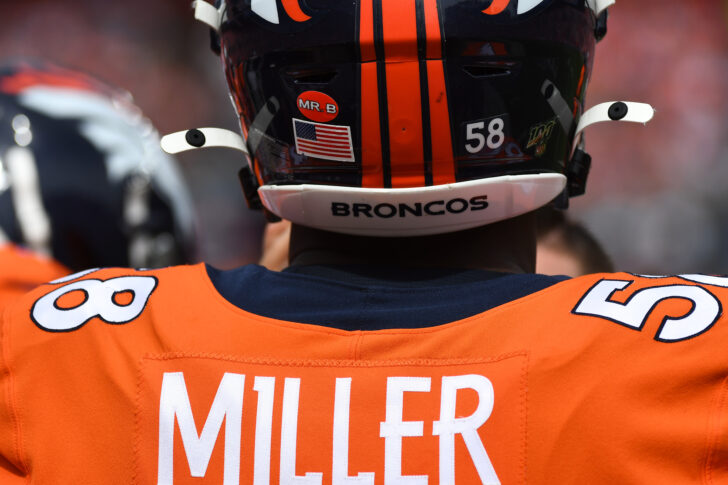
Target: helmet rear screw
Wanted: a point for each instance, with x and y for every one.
(618, 111)
(195, 138)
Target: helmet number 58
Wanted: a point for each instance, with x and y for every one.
(477, 140)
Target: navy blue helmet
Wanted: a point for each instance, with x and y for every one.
(403, 117)
(82, 177)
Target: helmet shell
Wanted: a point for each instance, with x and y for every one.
(402, 94)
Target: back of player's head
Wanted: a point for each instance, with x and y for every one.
(402, 118)
(82, 177)
(568, 242)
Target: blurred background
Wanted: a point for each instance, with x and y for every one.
(657, 197)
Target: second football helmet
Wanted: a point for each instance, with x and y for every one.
(82, 177)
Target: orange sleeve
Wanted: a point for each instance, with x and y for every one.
(11, 466)
(22, 270)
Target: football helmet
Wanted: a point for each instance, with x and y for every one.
(82, 177)
(405, 118)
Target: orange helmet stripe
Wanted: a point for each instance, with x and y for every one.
(371, 147)
(443, 163)
(399, 24)
(432, 26)
(366, 31)
(399, 27)
(405, 123)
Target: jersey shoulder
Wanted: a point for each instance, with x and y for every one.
(15, 260)
(682, 307)
(22, 270)
(636, 282)
(85, 303)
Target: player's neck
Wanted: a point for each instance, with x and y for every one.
(508, 246)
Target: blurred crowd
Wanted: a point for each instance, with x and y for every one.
(656, 198)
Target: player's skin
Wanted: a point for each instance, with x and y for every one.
(274, 253)
(555, 259)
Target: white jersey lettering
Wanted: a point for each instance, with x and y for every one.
(175, 403)
(175, 410)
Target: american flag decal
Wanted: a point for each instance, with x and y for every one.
(319, 140)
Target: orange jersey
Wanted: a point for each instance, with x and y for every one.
(22, 270)
(144, 377)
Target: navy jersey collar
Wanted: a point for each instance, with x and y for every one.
(371, 298)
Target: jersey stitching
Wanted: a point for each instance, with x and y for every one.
(714, 436)
(357, 345)
(524, 417)
(10, 392)
(332, 362)
(138, 422)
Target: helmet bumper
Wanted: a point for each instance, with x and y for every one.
(417, 211)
